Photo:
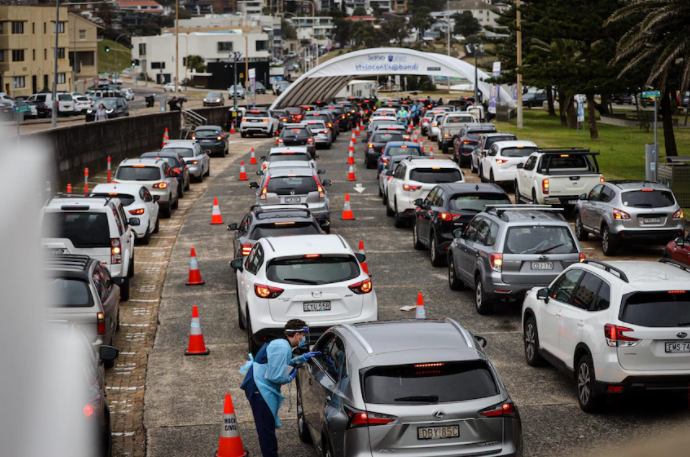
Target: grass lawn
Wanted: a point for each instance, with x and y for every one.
(106, 60)
(621, 148)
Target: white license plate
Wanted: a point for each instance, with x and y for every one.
(652, 220)
(293, 199)
(572, 202)
(678, 347)
(438, 433)
(206, 141)
(542, 265)
(58, 251)
(316, 306)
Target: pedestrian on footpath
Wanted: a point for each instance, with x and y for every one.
(101, 115)
(265, 374)
(174, 104)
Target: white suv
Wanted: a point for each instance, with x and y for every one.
(154, 174)
(93, 226)
(316, 278)
(500, 163)
(413, 178)
(616, 328)
(139, 205)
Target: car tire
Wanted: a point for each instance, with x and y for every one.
(240, 320)
(118, 326)
(609, 242)
(667, 254)
(180, 191)
(146, 239)
(437, 260)
(165, 211)
(398, 221)
(589, 399)
(130, 270)
(454, 282)
(491, 177)
(473, 169)
(389, 211)
(481, 302)
(302, 429)
(189, 183)
(415, 237)
(531, 337)
(243, 135)
(156, 228)
(251, 345)
(124, 290)
(580, 232)
(176, 204)
(518, 197)
(534, 197)
(380, 192)
(480, 173)
(208, 172)
(200, 178)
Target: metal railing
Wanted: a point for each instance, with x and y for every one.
(191, 120)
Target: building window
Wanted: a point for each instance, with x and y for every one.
(45, 54)
(61, 53)
(61, 78)
(142, 49)
(82, 34)
(2, 55)
(17, 55)
(34, 52)
(158, 65)
(225, 46)
(60, 27)
(17, 28)
(262, 45)
(33, 28)
(44, 27)
(2, 29)
(18, 81)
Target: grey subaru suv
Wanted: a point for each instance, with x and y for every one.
(509, 249)
(391, 387)
(628, 212)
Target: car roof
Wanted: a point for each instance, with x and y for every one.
(294, 126)
(384, 118)
(512, 144)
(477, 127)
(94, 203)
(296, 149)
(161, 153)
(637, 185)
(397, 144)
(471, 187)
(209, 127)
(644, 275)
(142, 161)
(68, 265)
(296, 169)
(435, 164)
(490, 134)
(119, 188)
(179, 143)
(528, 216)
(306, 244)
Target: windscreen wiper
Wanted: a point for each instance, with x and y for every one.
(423, 398)
(548, 249)
(471, 209)
(683, 324)
(303, 281)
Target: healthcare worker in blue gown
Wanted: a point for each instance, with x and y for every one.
(265, 374)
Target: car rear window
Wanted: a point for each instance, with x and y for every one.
(657, 309)
(138, 173)
(172, 161)
(477, 135)
(206, 133)
(292, 185)
(283, 229)
(288, 157)
(38, 98)
(376, 123)
(257, 113)
(494, 139)
(313, 270)
(68, 293)
(296, 133)
(64, 97)
(648, 198)
(316, 125)
(567, 162)
(126, 199)
(386, 137)
(539, 240)
(459, 120)
(435, 175)
(83, 229)
(429, 383)
(476, 202)
(517, 152)
(403, 151)
(184, 152)
(293, 110)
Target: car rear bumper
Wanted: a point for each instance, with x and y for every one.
(565, 200)
(212, 147)
(662, 236)
(195, 170)
(639, 385)
(323, 140)
(501, 175)
(255, 129)
(495, 288)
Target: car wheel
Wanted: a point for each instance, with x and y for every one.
(147, 238)
(609, 242)
(243, 135)
(240, 321)
(534, 359)
(389, 211)
(436, 259)
(398, 221)
(415, 238)
(667, 254)
(117, 326)
(589, 399)
(124, 290)
(157, 226)
(580, 232)
(200, 178)
(180, 191)
(208, 172)
(176, 204)
(534, 197)
(454, 282)
(480, 173)
(302, 429)
(165, 211)
(380, 192)
(251, 345)
(481, 302)
(491, 177)
(473, 169)
(189, 183)
(517, 192)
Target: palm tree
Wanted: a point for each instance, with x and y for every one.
(660, 40)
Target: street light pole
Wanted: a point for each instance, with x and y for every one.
(55, 66)
(476, 85)
(519, 64)
(115, 50)
(177, 44)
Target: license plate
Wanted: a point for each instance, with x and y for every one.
(438, 433)
(316, 306)
(652, 220)
(542, 265)
(55, 251)
(572, 202)
(293, 199)
(206, 141)
(678, 347)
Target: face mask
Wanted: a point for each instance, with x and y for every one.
(303, 342)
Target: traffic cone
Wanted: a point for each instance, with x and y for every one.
(216, 217)
(194, 273)
(347, 209)
(357, 131)
(196, 338)
(431, 152)
(414, 136)
(165, 138)
(252, 159)
(353, 140)
(232, 129)
(230, 444)
(351, 174)
(243, 172)
(350, 157)
(69, 188)
(364, 265)
(420, 313)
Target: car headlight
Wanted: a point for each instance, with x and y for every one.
(218, 100)
(89, 111)
(108, 111)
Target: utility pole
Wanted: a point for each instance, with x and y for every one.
(476, 81)
(519, 64)
(177, 44)
(235, 57)
(74, 68)
(55, 65)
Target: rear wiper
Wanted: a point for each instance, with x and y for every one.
(429, 398)
(548, 249)
(303, 281)
(471, 209)
(683, 324)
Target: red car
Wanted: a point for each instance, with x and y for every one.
(679, 250)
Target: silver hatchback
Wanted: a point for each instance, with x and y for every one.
(412, 387)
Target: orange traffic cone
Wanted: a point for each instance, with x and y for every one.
(351, 174)
(216, 217)
(230, 444)
(243, 172)
(414, 136)
(69, 188)
(357, 131)
(196, 338)
(165, 138)
(420, 313)
(252, 159)
(194, 273)
(364, 265)
(347, 209)
(232, 129)
(353, 140)
(431, 152)
(350, 157)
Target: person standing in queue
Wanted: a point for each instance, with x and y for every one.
(265, 374)
(101, 114)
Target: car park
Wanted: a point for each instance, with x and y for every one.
(297, 135)
(214, 99)
(377, 143)
(198, 161)
(322, 134)
(467, 141)
(92, 226)
(317, 278)
(483, 145)
(213, 139)
(178, 167)
(138, 203)
(156, 175)
(500, 163)
(629, 212)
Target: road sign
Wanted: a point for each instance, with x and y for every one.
(651, 94)
(252, 73)
(580, 112)
(23, 109)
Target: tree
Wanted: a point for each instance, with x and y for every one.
(359, 11)
(421, 19)
(466, 24)
(195, 62)
(364, 34)
(396, 29)
(342, 31)
(287, 31)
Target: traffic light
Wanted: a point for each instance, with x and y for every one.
(135, 62)
(107, 49)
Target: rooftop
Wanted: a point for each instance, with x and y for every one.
(308, 244)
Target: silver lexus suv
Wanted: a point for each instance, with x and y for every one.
(412, 387)
(509, 249)
(628, 212)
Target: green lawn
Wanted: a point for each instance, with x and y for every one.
(106, 60)
(621, 148)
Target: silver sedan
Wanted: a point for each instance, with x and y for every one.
(197, 160)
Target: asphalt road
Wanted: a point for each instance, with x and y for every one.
(184, 395)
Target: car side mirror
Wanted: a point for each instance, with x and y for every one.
(232, 227)
(108, 353)
(543, 294)
(321, 172)
(521, 165)
(134, 222)
(582, 197)
(253, 185)
(156, 198)
(457, 233)
(680, 242)
(361, 258)
(259, 173)
(236, 264)
(262, 158)
(364, 140)
(418, 202)
(327, 183)
(481, 340)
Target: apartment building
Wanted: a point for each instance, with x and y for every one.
(83, 50)
(321, 27)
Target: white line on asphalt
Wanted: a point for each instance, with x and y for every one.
(161, 247)
(127, 353)
(134, 325)
(145, 301)
(124, 388)
(170, 226)
(152, 263)
(122, 433)
(156, 237)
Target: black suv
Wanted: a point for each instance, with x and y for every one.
(467, 140)
(212, 139)
(297, 135)
(532, 99)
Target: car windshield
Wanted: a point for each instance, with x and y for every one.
(37, 98)
(386, 137)
(476, 202)
(172, 161)
(184, 152)
(109, 103)
(403, 151)
(378, 122)
(138, 173)
(68, 293)
(435, 175)
(517, 152)
(539, 240)
(648, 198)
(214, 95)
(296, 133)
(292, 185)
(205, 134)
(287, 157)
(82, 228)
(459, 120)
(565, 161)
(293, 110)
(429, 383)
(283, 229)
(657, 309)
(313, 270)
(126, 199)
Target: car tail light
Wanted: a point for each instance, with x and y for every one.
(545, 185)
(279, 140)
(88, 410)
(582, 257)
(496, 261)
(310, 140)
(410, 188)
(262, 291)
(177, 170)
(447, 217)
(319, 187)
(601, 179)
(615, 337)
(620, 215)
(160, 185)
(505, 409)
(193, 137)
(500, 161)
(357, 418)
(371, 146)
(101, 323)
(247, 248)
(329, 125)
(384, 160)
(136, 212)
(362, 287)
(678, 214)
(115, 251)
(447, 135)
(434, 124)
(219, 138)
(264, 191)
(264, 120)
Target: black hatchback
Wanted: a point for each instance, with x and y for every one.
(297, 135)
(378, 142)
(212, 139)
(447, 208)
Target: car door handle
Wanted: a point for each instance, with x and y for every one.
(580, 323)
(558, 314)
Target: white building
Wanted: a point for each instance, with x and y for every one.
(251, 7)
(484, 12)
(322, 26)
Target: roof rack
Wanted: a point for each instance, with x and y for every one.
(502, 208)
(571, 151)
(416, 158)
(358, 336)
(608, 268)
(676, 264)
(91, 195)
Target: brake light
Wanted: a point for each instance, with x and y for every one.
(357, 418)
(310, 140)
(279, 140)
(264, 191)
(319, 187)
(601, 179)
(136, 212)
(545, 185)
(410, 188)
(160, 185)
(362, 287)
(371, 146)
(262, 291)
(177, 170)
(445, 217)
(506, 409)
(620, 215)
(219, 138)
(264, 120)
(500, 161)
(434, 124)
(676, 291)
(615, 337)
(329, 125)
(115, 251)
(582, 257)
(246, 248)
(101, 323)
(194, 137)
(678, 214)
(496, 261)
(447, 135)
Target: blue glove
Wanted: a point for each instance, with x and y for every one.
(309, 355)
(293, 374)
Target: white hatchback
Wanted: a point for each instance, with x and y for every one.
(316, 278)
(138, 204)
(500, 163)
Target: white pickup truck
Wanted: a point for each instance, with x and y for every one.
(259, 121)
(557, 176)
(450, 126)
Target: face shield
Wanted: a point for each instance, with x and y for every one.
(304, 344)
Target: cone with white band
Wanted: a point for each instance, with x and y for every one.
(230, 443)
(347, 209)
(350, 157)
(194, 273)
(420, 313)
(216, 217)
(431, 152)
(243, 172)
(252, 159)
(196, 338)
(351, 174)
(364, 265)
